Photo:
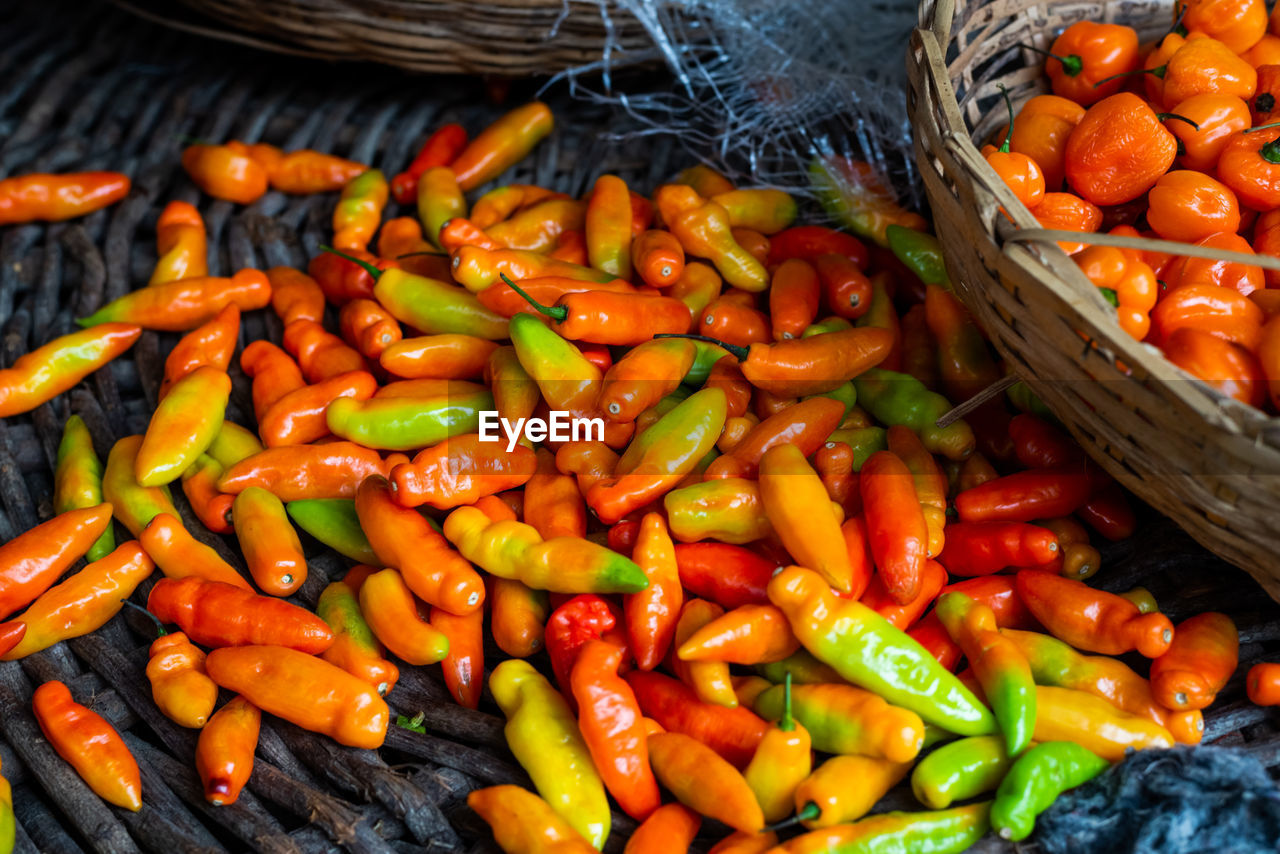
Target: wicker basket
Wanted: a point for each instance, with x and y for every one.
(503, 37)
(1210, 463)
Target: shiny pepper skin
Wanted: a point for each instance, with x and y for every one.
(781, 763)
(1091, 619)
(439, 149)
(294, 296)
(669, 828)
(180, 686)
(1025, 496)
(225, 173)
(984, 548)
(181, 244)
(183, 305)
(47, 371)
(180, 555)
(658, 258)
(1263, 684)
(216, 614)
(209, 345)
(1035, 781)
(960, 770)
(827, 796)
(646, 374)
(896, 398)
(800, 511)
(1203, 656)
(652, 613)
(39, 197)
(503, 144)
(409, 414)
(750, 634)
(77, 480)
(32, 561)
(303, 690)
(608, 226)
(544, 737)
(524, 823)
(727, 510)
(84, 602)
(271, 547)
(1126, 282)
(843, 719)
(225, 748)
(1086, 54)
(355, 649)
(939, 832)
(392, 613)
(359, 211)
(135, 506)
(89, 744)
(896, 528)
(1093, 723)
(1118, 150)
(703, 781)
(460, 470)
(184, 425)
(297, 472)
(732, 732)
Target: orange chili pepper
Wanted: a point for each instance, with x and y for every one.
(518, 616)
(1265, 52)
(503, 144)
(658, 258)
(669, 829)
(1244, 278)
(463, 666)
(797, 505)
(321, 354)
(402, 236)
(703, 781)
(295, 295)
(705, 231)
(271, 547)
(354, 649)
(905, 615)
(1126, 282)
(1040, 132)
(180, 686)
(224, 751)
(1203, 656)
(652, 613)
(440, 149)
(32, 561)
(1224, 312)
(896, 527)
(1118, 150)
(1238, 24)
(794, 297)
(755, 243)
(225, 173)
(553, 503)
(930, 483)
(89, 744)
(733, 322)
(805, 425)
(1071, 213)
(646, 374)
(359, 212)
(181, 244)
(343, 280)
(179, 555)
(393, 615)
(1227, 367)
(299, 416)
(211, 344)
(524, 822)
(47, 371)
(1211, 119)
(368, 327)
(709, 681)
(1263, 684)
(698, 286)
(1084, 57)
(1250, 165)
(749, 634)
(608, 226)
(1188, 206)
(846, 290)
(1091, 619)
(303, 690)
(274, 373)
(212, 613)
(1019, 172)
(605, 317)
(445, 356)
(460, 470)
(184, 305)
(200, 485)
(1203, 64)
(304, 171)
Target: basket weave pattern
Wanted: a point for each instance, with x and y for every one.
(1210, 463)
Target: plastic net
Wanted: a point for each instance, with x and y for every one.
(764, 90)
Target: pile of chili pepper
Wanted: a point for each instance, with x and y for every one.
(747, 596)
(1175, 139)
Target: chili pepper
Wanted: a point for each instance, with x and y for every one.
(183, 426)
(669, 828)
(515, 394)
(895, 398)
(524, 823)
(1222, 311)
(440, 200)
(1018, 171)
(359, 211)
(752, 242)
(705, 231)
(77, 480)
(544, 737)
(1000, 667)
(403, 236)
(1225, 367)
(214, 613)
(608, 227)
(805, 425)
(1092, 619)
(296, 472)
(1118, 150)
(1056, 664)
(478, 269)
(933, 578)
(726, 574)
(728, 510)
(333, 521)
(89, 744)
(826, 797)
(1197, 665)
(896, 527)
(798, 508)
(1043, 125)
(843, 719)
(781, 763)
(607, 317)
(932, 635)
(1034, 782)
(807, 242)
(1094, 723)
(341, 278)
(32, 561)
(180, 243)
(459, 470)
(392, 614)
(1083, 59)
(503, 144)
(1070, 213)
(355, 649)
(1189, 206)
(1076, 558)
(613, 729)
(1127, 283)
(304, 171)
(658, 257)
(447, 356)
(749, 634)
(703, 781)
(274, 373)
(704, 180)
(225, 748)
(135, 506)
(710, 680)
(646, 374)
(225, 173)
(794, 296)
(763, 210)
(732, 732)
(46, 372)
(518, 615)
(697, 287)
(960, 770)
(1211, 120)
(839, 632)
(180, 687)
(41, 197)
(802, 667)
(368, 327)
(582, 619)
(321, 354)
(81, 604)
(1263, 684)
(271, 548)
(1246, 166)
(178, 306)
(209, 345)
(943, 831)
(846, 290)
(983, 548)
(852, 193)
(504, 300)
(1039, 444)
(463, 666)
(966, 367)
(1024, 496)
(404, 416)
(1238, 25)
(501, 202)
(653, 612)
(439, 149)
(303, 690)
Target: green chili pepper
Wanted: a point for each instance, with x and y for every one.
(543, 734)
(869, 651)
(827, 324)
(405, 423)
(960, 770)
(567, 379)
(77, 480)
(724, 509)
(1026, 400)
(431, 306)
(355, 648)
(687, 421)
(704, 359)
(895, 398)
(846, 394)
(233, 444)
(1035, 781)
(921, 253)
(134, 505)
(848, 720)
(333, 522)
(940, 832)
(803, 667)
(864, 441)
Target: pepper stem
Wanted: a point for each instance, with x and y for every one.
(1008, 137)
(734, 349)
(1267, 126)
(1166, 116)
(1158, 72)
(788, 723)
(1177, 22)
(368, 268)
(1071, 64)
(1110, 295)
(809, 813)
(160, 629)
(555, 312)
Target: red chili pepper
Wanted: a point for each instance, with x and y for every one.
(1110, 514)
(895, 524)
(440, 149)
(651, 614)
(1040, 445)
(998, 593)
(53, 198)
(215, 614)
(905, 615)
(583, 618)
(730, 576)
(1025, 496)
(463, 666)
(810, 241)
(734, 733)
(846, 290)
(933, 636)
(983, 548)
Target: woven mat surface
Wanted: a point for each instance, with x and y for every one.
(88, 87)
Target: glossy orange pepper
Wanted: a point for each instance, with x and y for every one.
(608, 226)
(321, 354)
(341, 279)
(846, 290)
(658, 257)
(1250, 165)
(749, 634)
(295, 295)
(53, 198)
(1211, 119)
(698, 287)
(296, 472)
(439, 149)
(652, 613)
(225, 173)
(524, 823)
(669, 829)
(518, 617)
(1040, 132)
(800, 511)
(1203, 65)
(1226, 367)
(1085, 55)
(299, 416)
(1126, 282)
(271, 547)
(794, 298)
(732, 321)
(1203, 656)
(184, 305)
(501, 202)
(983, 548)
(605, 317)
(1224, 312)
(896, 526)
(89, 744)
(1070, 213)
(393, 615)
(183, 426)
(1245, 278)
(930, 483)
(709, 681)
(449, 355)
(355, 649)
(303, 690)
(47, 371)
(571, 246)
(646, 374)
(1263, 684)
(200, 485)
(359, 212)
(368, 327)
(477, 268)
(224, 751)
(402, 539)
(1265, 52)
(459, 470)
(1238, 24)
(503, 144)
(81, 604)
(1018, 171)
(274, 374)
(216, 614)
(1118, 150)
(1188, 206)
(181, 244)
(179, 555)
(703, 781)
(1092, 619)
(180, 686)
(552, 502)
(211, 344)
(1025, 496)
(304, 171)
(755, 243)
(705, 231)
(463, 666)
(32, 561)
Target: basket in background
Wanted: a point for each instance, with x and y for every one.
(1209, 462)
